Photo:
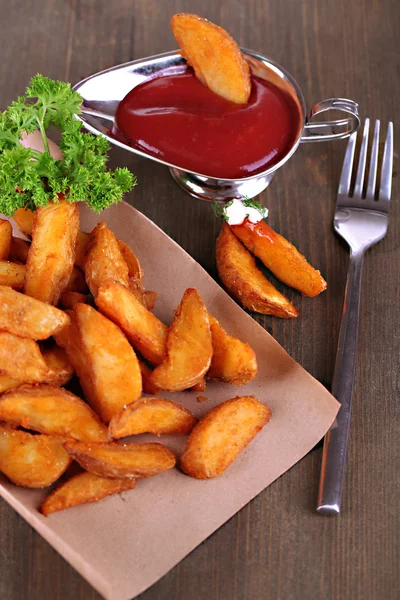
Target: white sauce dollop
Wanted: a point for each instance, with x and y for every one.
(236, 212)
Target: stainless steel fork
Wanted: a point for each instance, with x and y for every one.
(361, 219)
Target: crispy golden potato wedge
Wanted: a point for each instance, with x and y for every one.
(114, 373)
(28, 317)
(116, 461)
(148, 387)
(189, 347)
(20, 358)
(12, 274)
(280, 257)
(19, 250)
(245, 282)
(33, 461)
(52, 252)
(52, 410)
(5, 239)
(80, 250)
(83, 488)
(221, 435)
(214, 56)
(134, 269)
(77, 282)
(151, 415)
(147, 333)
(69, 299)
(104, 259)
(23, 218)
(60, 370)
(233, 361)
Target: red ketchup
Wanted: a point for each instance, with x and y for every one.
(176, 118)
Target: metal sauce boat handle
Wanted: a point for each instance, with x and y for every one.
(324, 131)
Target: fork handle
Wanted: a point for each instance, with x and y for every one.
(335, 442)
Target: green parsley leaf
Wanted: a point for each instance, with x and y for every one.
(29, 178)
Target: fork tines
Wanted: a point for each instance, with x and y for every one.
(372, 196)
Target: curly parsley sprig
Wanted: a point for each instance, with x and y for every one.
(29, 178)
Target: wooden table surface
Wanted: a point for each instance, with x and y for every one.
(277, 547)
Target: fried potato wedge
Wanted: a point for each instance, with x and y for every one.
(5, 239)
(147, 298)
(28, 317)
(116, 461)
(33, 461)
(81, 489)
(12, 274)
(135, 271)
(69, 299)
(52, 410)
(233, 361)
(145, 332)
(18, 250)
(151, 415)
(80, 249)
(114, 373)
(103, 259)
(60, 370)
(280, 257)
(77, 282)
(189, 347)
(148, 387)
(215, 57)
(51, 255)
(221, 435)
(244, 281)
(20, 358)
(23, 218)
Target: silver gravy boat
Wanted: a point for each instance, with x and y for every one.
(103, 91)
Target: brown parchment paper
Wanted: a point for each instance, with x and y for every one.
(125, 543)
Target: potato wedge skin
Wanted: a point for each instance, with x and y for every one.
(52, 410)
(189, 347)
(69, 299)
(221, 435)
(214, 56)
(233, 361)
(151, 415)
(280, 257)
(81, 489)
(20, 358)
(33, 461)
(12, 274)
(18, 250)
(116, 460)
(244, 281)
(145, 332)
(27, 317)
(103, 259)
(114, 372)
(5, 239)
(23, 218)
(51, 255)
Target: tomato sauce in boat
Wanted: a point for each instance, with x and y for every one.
(176, 118)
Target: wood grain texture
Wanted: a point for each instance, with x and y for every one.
(277, 547)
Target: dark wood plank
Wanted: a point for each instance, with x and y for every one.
(276, 547)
